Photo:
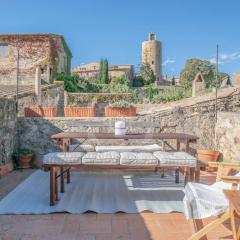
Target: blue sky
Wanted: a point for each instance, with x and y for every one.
(115, 29)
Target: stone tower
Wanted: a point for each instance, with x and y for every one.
(152, 55)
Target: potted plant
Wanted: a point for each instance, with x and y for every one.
(74, 110)
(206, 155)
(40, 111)
(25, 158)
(120, 109)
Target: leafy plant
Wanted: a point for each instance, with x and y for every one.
(24, 152)
(120, 80)
(120, 104)
(147, 74)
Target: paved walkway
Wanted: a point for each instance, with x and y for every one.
(93, 226)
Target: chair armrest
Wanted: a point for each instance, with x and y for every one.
(231, 179)
(225, 164)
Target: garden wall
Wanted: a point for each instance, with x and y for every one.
(52, 95)
(197, 119)
(101, 99)
(8, 130)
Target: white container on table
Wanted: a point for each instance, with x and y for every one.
(120, 128)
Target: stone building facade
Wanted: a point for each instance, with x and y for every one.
(92, 70)
(236, 79)
(25, 52)
(152, 55)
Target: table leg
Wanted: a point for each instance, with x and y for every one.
(62, 179)
(192, 174)
(52, 186)
(197, 173)
(186, 175)
(68, 176)
(177, 175)
(178, 145)
(56, 185)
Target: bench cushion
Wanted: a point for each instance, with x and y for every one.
(181, 159)
(63, 158)
(102, 158)
(136, 148)
(141, 158)
(81, 148)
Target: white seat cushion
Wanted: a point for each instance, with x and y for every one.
(101, 158)
(181, 159)
(141, 158)
(81, 148)
(135, 148)
(63, 158)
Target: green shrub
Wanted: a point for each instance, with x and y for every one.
(120, 104)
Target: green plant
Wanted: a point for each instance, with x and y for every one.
(194, 66)
(70, 82)
(25, 152)
(150, 93)
(120, 104)
(103, 72)
(147, 74)
(120, 80)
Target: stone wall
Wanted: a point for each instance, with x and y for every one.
(8, 131)
(227, 132)
(52, 95)
(197, 119)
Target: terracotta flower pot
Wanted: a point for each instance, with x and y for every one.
(6, 168)
(205, 155)
(80, 111)
(120, 112)
(41, 111)
(25, 160)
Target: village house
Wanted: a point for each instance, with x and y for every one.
(92, 70)
(22, 54)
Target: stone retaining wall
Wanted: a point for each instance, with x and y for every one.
(228, 135)
(198, 119)
(8, 130)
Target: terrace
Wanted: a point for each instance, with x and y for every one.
(35, 133)
(92, 226)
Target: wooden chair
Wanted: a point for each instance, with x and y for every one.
(223, 171)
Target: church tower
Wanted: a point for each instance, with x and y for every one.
(152, 55)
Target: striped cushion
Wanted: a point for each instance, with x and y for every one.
(141, 158)
(135, 148)
(181, 159)
(107, 158)
(63, 158)
(81, 148)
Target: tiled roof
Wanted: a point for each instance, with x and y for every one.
(9, 91)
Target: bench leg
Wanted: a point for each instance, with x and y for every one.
(68, 176)
(177, 175)
(62, 179)
(52, 186)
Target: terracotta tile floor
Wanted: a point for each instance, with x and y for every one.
(93, 226)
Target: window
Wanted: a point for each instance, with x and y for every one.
(3, 50)
(152, 62)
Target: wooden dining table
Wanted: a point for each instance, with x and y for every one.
(64, 139)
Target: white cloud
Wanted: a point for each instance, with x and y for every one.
(168, 61)
(226, 57)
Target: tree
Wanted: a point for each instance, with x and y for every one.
(147, 74)
(70, 82)
(103, 72)
(120, 80)
(193, 67)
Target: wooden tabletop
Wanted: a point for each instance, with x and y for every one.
(234, 199)
(161, 136)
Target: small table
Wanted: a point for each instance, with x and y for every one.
(234, 207)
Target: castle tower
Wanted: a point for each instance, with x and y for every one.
(152, 55)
